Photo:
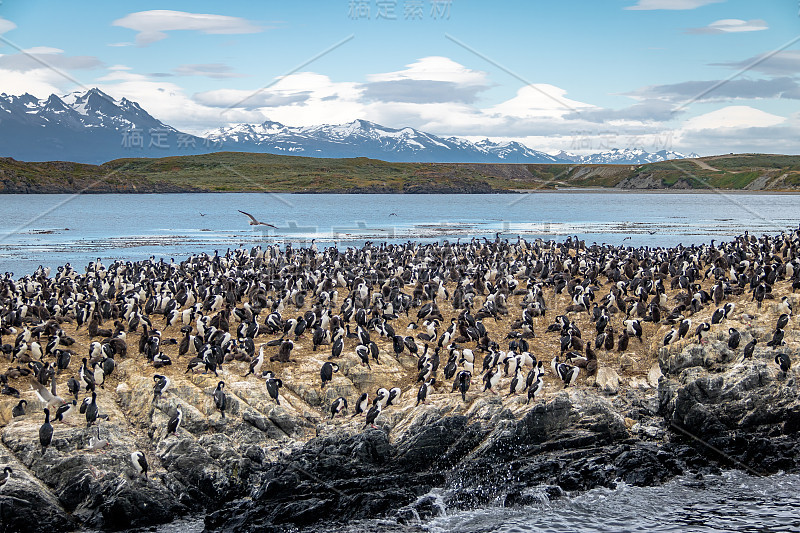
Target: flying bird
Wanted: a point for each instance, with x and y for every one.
(254, 222)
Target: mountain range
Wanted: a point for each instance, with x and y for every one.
(93, 127)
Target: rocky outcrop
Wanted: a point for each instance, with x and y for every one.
(483, 450)
(701, 408)
(607, 380)
(649, 413)
(267, 466)
(746, 410)
(27, 504)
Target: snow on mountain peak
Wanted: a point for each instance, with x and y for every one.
(80, 112)
(363, 137)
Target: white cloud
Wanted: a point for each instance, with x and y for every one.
(439, 118)
(671, 4)
(301, 99)
(43, 50)
(153, 25)
(41, 83)
(689, 92)
(433, 79)
(6, 25)
(169, 103)
(783, 63)
(735, 116)
(208, 70)
(731, 26)
(541, 116)
(243, 99)
(47, 58)
(118, 74)
(765, 134)
(539, 100)
(435, 68)
(316, 111)
(308, 98)
(309, 87)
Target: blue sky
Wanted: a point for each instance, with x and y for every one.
(577, 76)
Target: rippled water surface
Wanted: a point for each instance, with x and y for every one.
(733, 501)
(55, 229)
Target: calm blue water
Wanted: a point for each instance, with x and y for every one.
(55, 229)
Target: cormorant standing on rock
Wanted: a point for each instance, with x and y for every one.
(91, 411)
(273, 384)
(139, 463)
(750, 348)
(338, 405)
(734, 339)
(220, 400)
(783, 361)
(45, 432)
(462, 383)
(161, 384)
(175, 421)
(394, 393)
(372, 414)
(535, 388)
(567, 373)
(422, 395)
(326, 372)
(361, 404)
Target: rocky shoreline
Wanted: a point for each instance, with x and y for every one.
(577, 441)
(651, 412)
(100, 187)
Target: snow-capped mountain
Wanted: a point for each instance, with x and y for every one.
(626, 156)
(362, 138)
(89, 127)
(93, 127)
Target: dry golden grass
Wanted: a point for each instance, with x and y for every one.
(402, 372)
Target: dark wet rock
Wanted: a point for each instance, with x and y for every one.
(26, 504)
(745, 414)
(576, 441)
(255, 473)
(194, 467)
(95, 487)
(367, 474)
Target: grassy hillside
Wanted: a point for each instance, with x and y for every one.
(743, 171)
(234, 171)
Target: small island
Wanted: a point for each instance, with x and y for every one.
(269, 388)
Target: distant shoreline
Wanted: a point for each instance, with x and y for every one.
(607, 190)
(570, 190)
(252, 172)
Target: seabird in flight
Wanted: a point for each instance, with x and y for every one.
(254, 222)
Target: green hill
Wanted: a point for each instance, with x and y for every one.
(250, 172)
